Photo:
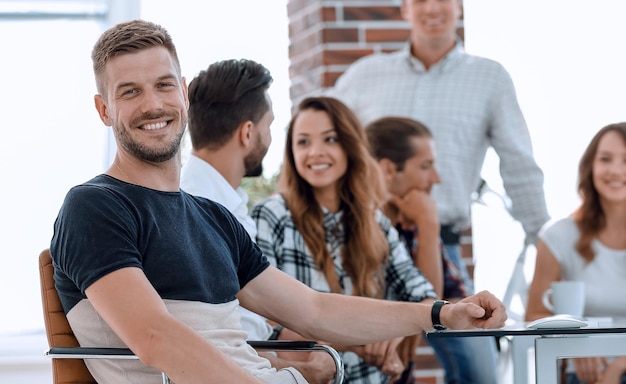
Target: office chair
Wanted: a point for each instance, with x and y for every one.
(68, 366)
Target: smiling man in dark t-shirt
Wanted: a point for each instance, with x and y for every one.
(142, 264)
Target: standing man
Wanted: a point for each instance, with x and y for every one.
(404, 150)
(468, 102)
(230, 113)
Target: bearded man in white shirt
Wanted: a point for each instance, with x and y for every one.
(230, 113)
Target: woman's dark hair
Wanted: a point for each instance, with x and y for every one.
(590, 216)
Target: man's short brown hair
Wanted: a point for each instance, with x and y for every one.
(129, 37)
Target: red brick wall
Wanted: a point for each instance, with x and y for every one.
(325, 37)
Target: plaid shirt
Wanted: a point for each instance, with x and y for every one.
(283, 245)
(470, 104)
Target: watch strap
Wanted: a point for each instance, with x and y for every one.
(435, 312)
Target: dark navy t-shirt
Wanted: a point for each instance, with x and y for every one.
(190, 248)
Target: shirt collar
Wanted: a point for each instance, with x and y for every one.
(212, 185)
(445, 63)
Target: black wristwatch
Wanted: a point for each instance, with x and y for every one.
(434, 314)
(276, 332)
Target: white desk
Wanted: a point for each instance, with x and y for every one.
(551, 345)
(550, 348)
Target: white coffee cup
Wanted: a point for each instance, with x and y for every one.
(565, 297)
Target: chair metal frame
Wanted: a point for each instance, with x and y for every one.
(65, 347)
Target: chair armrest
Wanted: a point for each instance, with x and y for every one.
(302, 346)
(269, 345)
(90, 353)
(96, 353)
(282, 345)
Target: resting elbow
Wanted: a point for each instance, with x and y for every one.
(149, 348)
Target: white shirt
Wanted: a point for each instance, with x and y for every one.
(199, 178)
(603, 277)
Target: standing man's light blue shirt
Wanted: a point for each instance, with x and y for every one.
(470, 104)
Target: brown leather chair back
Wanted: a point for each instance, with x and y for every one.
(64, 371)
(59, 333)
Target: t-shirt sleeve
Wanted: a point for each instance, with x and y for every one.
(250, 259)
(560, 237)
(93, 235)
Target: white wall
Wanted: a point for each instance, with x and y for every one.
(53, 138)
(566, 60)
(51, 141)
(22, 360)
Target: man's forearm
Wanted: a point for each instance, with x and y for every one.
(354, 320)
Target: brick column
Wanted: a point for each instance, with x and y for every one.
(325, 37)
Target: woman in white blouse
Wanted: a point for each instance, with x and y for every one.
(590, 246)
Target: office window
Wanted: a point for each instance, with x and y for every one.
(52, 138)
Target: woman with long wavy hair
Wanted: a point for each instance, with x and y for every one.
(325, 227)
(590, 246)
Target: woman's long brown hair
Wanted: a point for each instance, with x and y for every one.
(590, 217)
(360, 191)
